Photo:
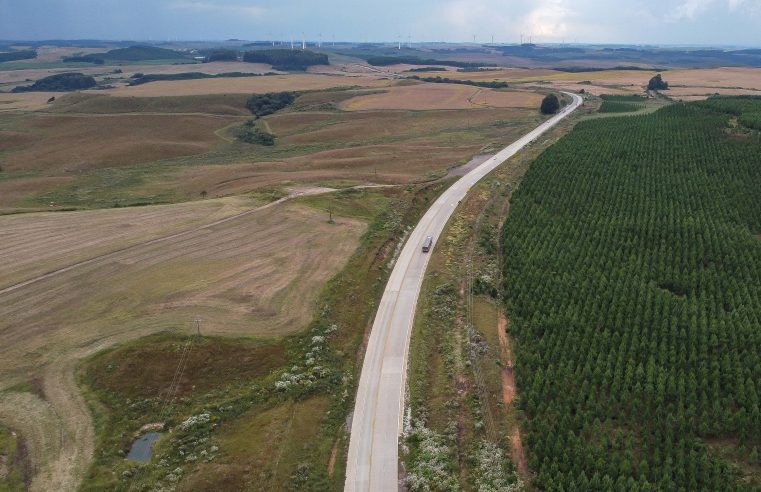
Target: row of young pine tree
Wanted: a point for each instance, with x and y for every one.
(633, 284)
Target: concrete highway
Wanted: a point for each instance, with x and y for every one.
(379, 408)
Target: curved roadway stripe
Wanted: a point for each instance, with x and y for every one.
(379, 408)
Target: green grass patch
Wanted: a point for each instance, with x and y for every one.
(619, 107)
(13, 466)
(362, 203)
(223, 104)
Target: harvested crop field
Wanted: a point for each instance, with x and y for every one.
(35, 244)
(269, 83)
(73, 142)
(255, 275)
(217, 104)
(440, 96)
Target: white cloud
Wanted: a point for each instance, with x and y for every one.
(548, 20)
(221, 8)
(689, 10)
(545, 20)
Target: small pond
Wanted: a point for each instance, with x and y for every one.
(142, 447)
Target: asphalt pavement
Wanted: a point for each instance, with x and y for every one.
(379, 407)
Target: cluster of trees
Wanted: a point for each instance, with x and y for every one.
(130, 54)
(657, 84)
(17, 55)
(251, 134)
(550, 104)
(447, 80)
(141, 78)
(264, 104)
(220, 55)
(61, 82)
(632, 269)
(286, 60)
(384, 61)
(427, 69)
(580, 69)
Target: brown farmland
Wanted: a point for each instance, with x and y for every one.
(73, 142)
(257, 274)
(441, 96)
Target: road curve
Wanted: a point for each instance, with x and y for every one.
(377, 421)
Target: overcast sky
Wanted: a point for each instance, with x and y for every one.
(698, 22)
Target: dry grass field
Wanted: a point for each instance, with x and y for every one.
(76, 142)
(26, 101)
(699, 83)
(58, 156)
(255, 274)
(251, 85)
(441, 96)
(97, 232)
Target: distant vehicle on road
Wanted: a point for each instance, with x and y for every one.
(427, 244)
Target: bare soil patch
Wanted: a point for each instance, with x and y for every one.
(518, 454)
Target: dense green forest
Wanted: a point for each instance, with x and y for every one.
(633, 285)
(619, 107)
(131, 54)
(746, 108)
(293, 60)
(220, 55)
(17, 55)
(621, 104)
(61, 82)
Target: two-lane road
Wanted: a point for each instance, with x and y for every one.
(376, 424)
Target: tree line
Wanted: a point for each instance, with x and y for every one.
(476, 83)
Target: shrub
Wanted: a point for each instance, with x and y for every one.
(264, 104)
(657, 84)
(550, 104)
(249, 133)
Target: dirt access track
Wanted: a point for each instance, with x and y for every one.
(256, 273)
